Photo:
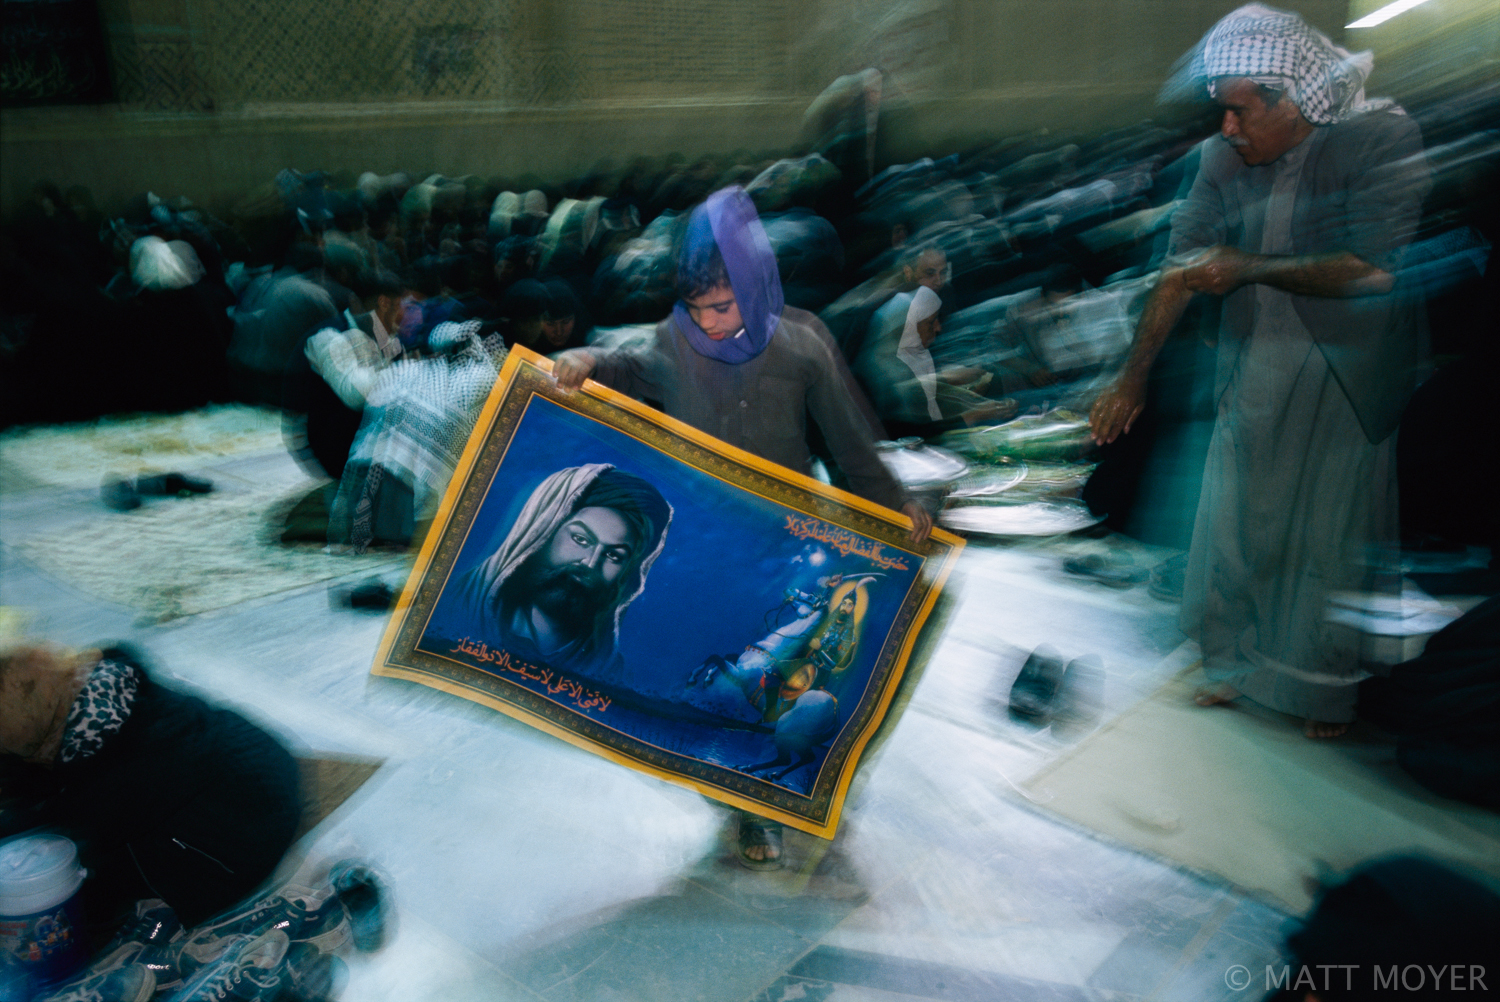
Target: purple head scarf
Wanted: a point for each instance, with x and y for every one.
(728, 219)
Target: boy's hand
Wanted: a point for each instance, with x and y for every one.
(921, 522)
(572, 367)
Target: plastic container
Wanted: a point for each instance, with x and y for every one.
(41, 916)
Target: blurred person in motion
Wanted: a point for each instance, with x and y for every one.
(911, 395)
(417, 416)
(1298, 218)
(1425, 921)
(330, 380)
(166, 796)
(1069, 332)
(274, 314)
(732, 362)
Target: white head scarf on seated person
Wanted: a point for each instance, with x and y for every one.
(911, 350)
(1275, 48)
(164, 264)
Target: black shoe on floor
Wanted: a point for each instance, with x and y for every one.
(119, 493)
(1033, 696)
(366, 901)
(372, 594)
(152, 936)
(1080, 699)
(173, 483)
(1117, 572)
(311, 975)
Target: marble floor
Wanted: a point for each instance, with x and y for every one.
(524, 868)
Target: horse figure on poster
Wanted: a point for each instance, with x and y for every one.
(783, 675)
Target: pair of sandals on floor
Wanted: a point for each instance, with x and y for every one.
(1068, 695)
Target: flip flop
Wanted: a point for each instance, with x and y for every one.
(1116, 574)
(1033, 695)
(754, 832)
(1080, 698)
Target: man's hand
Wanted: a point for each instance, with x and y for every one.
(962, 375)
(1116, 410)
(571, 368)
(921, 522)
(1218, 271)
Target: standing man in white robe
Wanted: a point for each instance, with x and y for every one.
(1298, 218)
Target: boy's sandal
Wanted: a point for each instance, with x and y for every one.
(760, 832)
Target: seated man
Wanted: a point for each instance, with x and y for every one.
(864, 312)
(274, 314)
(730, 362)
(524, 312)
(165, 796)
(1070, 332)
(563, 324)
(417, 417)
(910, 394)
(338, 368)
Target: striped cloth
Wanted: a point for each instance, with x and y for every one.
(416, 422)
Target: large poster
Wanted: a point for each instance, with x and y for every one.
(640, 589)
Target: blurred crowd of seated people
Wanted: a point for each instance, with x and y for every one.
(1012, 274)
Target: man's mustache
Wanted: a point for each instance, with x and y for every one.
(583, 578)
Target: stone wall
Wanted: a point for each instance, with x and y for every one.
(215, 96)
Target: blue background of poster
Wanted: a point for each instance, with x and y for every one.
(727, 562)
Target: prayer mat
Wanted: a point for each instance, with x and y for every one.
(623, 581)
(328, 781)
(1239, 792)
(80, 455)
(177, 557)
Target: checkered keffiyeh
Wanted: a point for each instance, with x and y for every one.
(1276, 48)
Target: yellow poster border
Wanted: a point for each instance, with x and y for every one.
(407, 604)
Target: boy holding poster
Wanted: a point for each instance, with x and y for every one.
(729, 362)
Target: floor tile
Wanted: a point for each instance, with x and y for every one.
(927, 980)
(790, 989)
(521, 867)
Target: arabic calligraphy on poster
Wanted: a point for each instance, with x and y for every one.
(702, 618)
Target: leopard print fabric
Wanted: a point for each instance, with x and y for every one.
(101, 709)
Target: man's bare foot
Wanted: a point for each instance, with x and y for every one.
(1214, 695)
(1324, 729)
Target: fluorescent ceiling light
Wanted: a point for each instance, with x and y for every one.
(1385, 13)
